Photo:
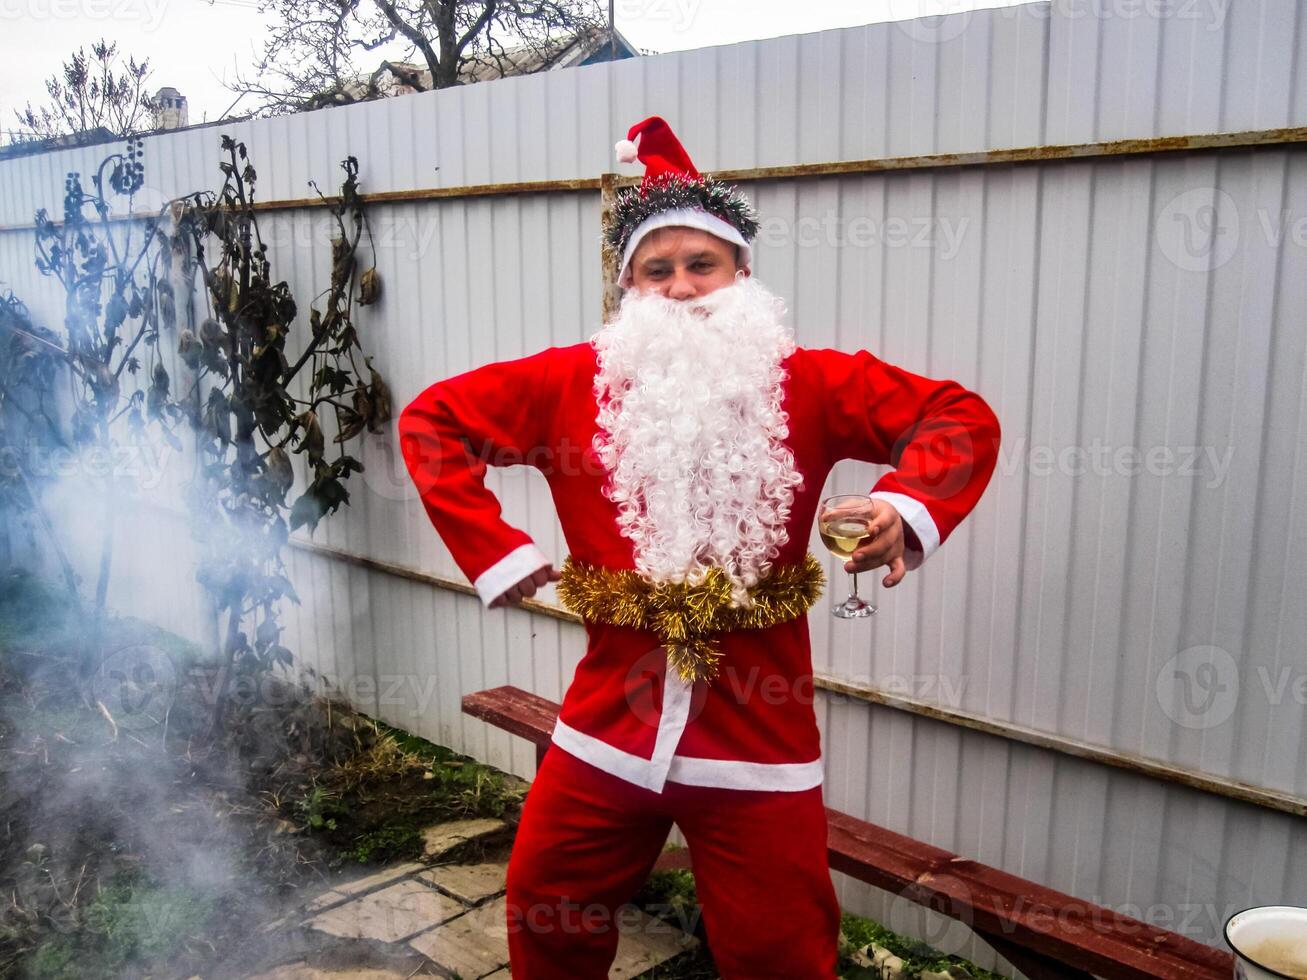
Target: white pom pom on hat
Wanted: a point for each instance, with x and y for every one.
(627, 151)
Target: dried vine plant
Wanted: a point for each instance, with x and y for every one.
(249, 422)
(118, 297)
(256, 398)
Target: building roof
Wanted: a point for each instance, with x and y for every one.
(585, 48)
(87, 137)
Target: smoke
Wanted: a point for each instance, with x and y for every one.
(154, 769)
(131, 835)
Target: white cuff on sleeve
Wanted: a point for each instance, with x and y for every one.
(508, 571)
(914, 512)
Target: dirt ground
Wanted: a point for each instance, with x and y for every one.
(139, 839)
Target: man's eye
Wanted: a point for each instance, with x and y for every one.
(657, 273)
(702, 267)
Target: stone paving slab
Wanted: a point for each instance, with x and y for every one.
(325, 901)
(389, 915)
(473, 945)
(348, 889)
(470, 883)
(367, 883)
(645, 943)
(476, 944)
(444, 837)
(303, 971)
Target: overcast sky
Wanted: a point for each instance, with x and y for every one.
(193, 45)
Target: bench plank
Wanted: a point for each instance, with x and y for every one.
(1047, 933)
(514, 710)
(1068, 929)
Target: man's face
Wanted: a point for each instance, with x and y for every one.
(682, 263)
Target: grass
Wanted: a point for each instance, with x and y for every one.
(128, 924)
(468, 787)
(373, 807)
(32, 614)
(916, 955)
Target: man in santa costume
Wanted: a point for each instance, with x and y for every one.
(686, 445)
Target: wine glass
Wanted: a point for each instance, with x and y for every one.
(844, 522)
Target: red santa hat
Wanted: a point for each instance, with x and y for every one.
(673, 192)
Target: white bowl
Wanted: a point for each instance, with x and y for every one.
(1269, 943)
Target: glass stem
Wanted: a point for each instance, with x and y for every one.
(855, 584)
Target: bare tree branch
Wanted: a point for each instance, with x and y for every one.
(414, 34)
(310, 58)
(90, 92)
(478, 26)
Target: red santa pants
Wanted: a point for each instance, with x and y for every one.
(588, 840)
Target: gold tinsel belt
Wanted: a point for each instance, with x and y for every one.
(686, 617)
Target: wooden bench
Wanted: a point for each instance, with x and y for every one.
(1044, 933)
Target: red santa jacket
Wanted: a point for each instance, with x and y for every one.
(753, 727)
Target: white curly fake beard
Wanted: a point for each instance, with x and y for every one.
(691, 432)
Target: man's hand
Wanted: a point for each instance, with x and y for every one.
(527, 587)
(883, 547)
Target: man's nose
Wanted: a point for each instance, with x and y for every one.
(681, 287)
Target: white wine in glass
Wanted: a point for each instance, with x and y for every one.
(844, 523)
